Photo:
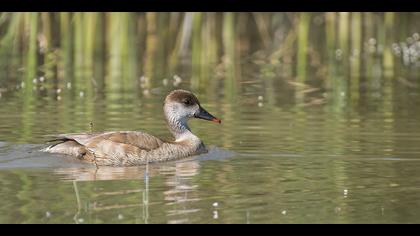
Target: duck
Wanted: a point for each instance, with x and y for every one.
(133, 148)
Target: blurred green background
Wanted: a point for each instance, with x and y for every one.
(98, 52)
(339, 60)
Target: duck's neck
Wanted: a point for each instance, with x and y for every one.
(179, 128)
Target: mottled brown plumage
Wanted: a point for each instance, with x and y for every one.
(129, 148)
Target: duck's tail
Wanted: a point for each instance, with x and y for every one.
(66, 146)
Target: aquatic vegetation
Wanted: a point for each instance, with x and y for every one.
(102, 51)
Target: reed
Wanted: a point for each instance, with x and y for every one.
(229, 57)
(96, 52)
(355, 56)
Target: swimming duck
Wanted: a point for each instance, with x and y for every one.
(130, 148)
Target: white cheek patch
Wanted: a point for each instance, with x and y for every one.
(180, 111)
(175, 112)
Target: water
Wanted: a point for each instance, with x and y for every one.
(289, 150)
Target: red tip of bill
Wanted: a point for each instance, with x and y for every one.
(217, 120)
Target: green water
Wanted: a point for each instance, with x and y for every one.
(320, 116)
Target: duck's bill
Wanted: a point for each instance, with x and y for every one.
(203, 114)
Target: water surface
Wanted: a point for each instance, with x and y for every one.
(328, 137)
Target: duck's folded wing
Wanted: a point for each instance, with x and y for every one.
(140, 140)
(111, 153)
(111, 148)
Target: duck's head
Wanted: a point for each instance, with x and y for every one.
(180, 105)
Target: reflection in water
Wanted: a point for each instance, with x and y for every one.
(146, 195)
(79, 204)
(179, 189)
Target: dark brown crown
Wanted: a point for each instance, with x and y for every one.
(182, 96)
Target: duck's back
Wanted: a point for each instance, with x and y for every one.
(109, 147)
(135, 138)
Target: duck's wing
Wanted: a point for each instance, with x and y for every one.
(138, 139)
(110, 148)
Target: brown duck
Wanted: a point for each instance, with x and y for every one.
(130, 148)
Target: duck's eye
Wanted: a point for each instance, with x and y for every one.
(187, 102)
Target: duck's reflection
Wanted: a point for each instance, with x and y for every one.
(179, 189)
